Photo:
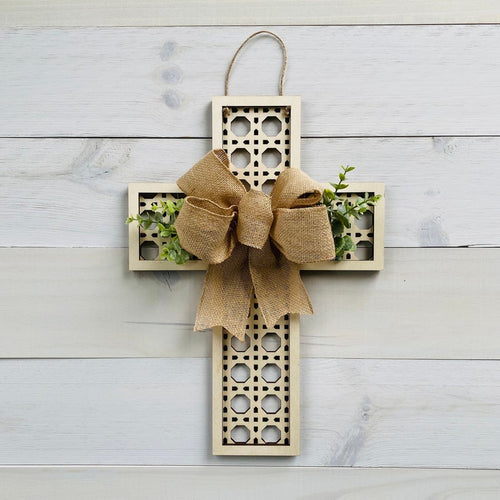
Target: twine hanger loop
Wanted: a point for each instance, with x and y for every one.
(283, 50)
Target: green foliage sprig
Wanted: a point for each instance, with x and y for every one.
(164, 215)
(341, 210)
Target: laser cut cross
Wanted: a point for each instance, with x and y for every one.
(256, 384)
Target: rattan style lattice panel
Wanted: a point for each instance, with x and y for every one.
(256, 400)
(256, 383)
(260, 134)
(257, 140)
(150, 242)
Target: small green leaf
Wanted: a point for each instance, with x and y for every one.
(342, 218)
(328, 196)
(337, 227)
(349, 245)
(170, 207)
(339, 248)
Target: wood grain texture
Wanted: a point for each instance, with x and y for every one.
(183, 483)
(362, 413)
(223, 12)
(432, 303)
(73, 192)
(354, 81)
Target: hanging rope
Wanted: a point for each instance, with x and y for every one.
(283, 50)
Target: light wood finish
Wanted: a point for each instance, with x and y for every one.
(237, 12)
(186, 483)
(156, 82)
(367, 233)
(273, 429)
(362, 413)
(428, 303)
(77, 181)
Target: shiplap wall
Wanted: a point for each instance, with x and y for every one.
(401, 371)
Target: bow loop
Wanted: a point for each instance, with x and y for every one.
(204, 228)
(294, 188)
(210, 178)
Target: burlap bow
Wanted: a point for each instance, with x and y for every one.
(251, 241)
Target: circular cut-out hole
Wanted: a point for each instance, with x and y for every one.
(240, 126)
(240, 158)
(271, 372)
(149, 250)
(271, 126)
(271, 158)
(240, 434)
(271, 434)
(365, 221)
(240, 403)
(271, 342)
(271, 403)
(364, 250)
(240, 372)
(240, 346)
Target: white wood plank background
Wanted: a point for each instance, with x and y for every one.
(75, 183)
(183, 483)
(364, 413)
(84, 303)
(414, 106)
(354, 80)
(222, 12)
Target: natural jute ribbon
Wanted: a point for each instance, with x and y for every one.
(252, 242)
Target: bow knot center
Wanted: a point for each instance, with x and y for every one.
(255, 218)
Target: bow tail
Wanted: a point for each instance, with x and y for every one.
(278, 286)
(226, 296)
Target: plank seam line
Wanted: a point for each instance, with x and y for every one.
(208, 357)
(155, 137)
(225, 465)
(155, 26)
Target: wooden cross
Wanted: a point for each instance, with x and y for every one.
(256, 384)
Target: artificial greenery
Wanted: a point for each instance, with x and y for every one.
(164, 216)
(341, 210)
